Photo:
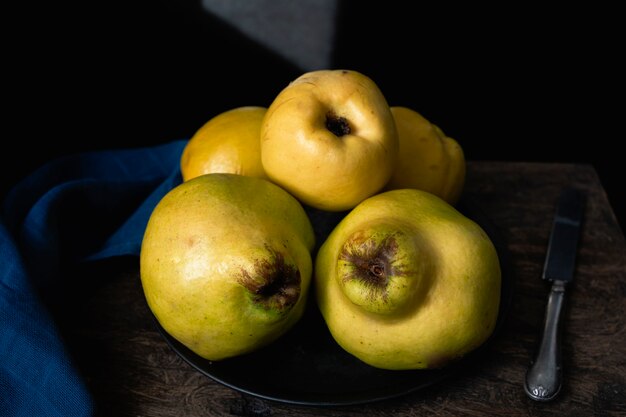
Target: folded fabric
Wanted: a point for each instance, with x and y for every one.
(83, 207)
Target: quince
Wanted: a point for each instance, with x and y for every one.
(225, 263)
(227, 143)
(405, 281)
(428, 160)
(329, 139)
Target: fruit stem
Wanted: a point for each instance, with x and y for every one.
(377, 270)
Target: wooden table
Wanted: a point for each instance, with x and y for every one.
(133, 372)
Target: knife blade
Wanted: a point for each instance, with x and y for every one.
(543, 379)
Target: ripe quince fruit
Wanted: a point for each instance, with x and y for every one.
(405, 281)
(225, 263)
(329, 139)
(227, 143)
(428, 160)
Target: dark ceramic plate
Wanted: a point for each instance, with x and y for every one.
(306, 366)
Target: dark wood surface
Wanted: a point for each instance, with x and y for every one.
(132, 371)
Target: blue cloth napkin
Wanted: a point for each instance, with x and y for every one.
(83, 207)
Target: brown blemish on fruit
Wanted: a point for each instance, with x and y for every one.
(338, 125)
(274, 284)
(373, 263)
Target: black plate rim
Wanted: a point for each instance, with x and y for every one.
(352, 399)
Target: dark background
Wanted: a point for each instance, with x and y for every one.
(525, 83)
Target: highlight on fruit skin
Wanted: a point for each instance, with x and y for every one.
(428, 160)
(227, 143)
(405, 281)
(225, 263)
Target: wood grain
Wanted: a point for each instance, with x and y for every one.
(132, 371)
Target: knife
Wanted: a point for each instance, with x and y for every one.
(543, 379)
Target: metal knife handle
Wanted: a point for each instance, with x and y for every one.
(543, 379)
